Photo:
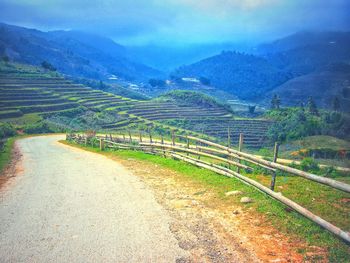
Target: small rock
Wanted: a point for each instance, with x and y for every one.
(246, 200)
(234, 193)
(235, 212)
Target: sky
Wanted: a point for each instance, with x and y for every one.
(137, 22)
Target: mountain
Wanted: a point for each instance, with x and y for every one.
(247, 76)
(305, 52)
(72, 52)
(298, 62)
(322, 85)
(167, 58)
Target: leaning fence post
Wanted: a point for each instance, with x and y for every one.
(275, 156)
(240, 146)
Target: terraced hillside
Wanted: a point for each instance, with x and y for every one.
(30, 90)
(254, 130)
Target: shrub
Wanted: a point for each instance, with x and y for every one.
(37, 128)
(6, 130)
(309, 165)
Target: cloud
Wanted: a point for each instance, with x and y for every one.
(180, 20)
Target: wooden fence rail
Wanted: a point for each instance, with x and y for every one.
(214, 151)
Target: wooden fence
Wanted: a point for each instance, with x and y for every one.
(182, 147)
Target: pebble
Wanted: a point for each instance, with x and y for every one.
(246, 200)
(234, 193)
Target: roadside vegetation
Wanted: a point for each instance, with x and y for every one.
(6, 144)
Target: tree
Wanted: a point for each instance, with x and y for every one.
(275, 102)
(5, 58)
(251, 109)
(157, 82)
(48, 66)
(335, 104)
(204, 81)
(311, 105)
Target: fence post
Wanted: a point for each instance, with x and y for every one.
(124, 140)
(140, 137)
(240, 146)
(86, 140)
(228, 137)
(275, 156)
(229, 144)
(173, 137)
(102, 144)
(130, 138)
(162, 141)
(150, 136)
(110, 137)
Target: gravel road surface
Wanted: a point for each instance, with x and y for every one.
(70, 205)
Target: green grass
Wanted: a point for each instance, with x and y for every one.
(24, 120)
(5, 153)
(290, 223)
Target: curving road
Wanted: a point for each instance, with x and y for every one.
(69, 205)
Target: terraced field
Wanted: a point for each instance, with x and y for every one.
(254, 131)
(213, 121)
(37, 93)
(34, 92)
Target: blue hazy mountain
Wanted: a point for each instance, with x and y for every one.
(72, 52)
(255, 76)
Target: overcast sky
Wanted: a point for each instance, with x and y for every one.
(180, 21)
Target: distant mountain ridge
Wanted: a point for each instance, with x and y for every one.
(71, 52)
(247, 76)
(291, 63)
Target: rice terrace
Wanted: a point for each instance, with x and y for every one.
(183, 131)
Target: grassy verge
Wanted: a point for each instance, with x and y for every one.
(5, 153)
(288, 222)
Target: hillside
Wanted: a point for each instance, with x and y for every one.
(300, 65)
(36, 100)
(246, 76)
(323, 85)
(73, 53)
(192, 98)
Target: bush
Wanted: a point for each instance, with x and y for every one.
(309, 165)
(6, 130)
(37, 128)
(296, 123)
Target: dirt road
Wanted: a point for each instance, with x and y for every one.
(68, 205)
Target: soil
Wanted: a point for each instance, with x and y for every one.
(214, 229)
